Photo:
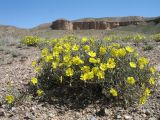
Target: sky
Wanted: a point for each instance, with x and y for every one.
(30, 13)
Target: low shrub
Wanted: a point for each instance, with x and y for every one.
(139, 38)
(147, 47)
(156, 37)
(94, 65)
(30, 40)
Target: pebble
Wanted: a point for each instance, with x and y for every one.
(147, 112)
(127, 117)
(137, 117)
(119, 117)
(152, 118)
(51, 115)
(107, 112)
(1, 112)
(93, 118)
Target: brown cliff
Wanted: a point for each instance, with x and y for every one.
(62, 24)
(98, 24)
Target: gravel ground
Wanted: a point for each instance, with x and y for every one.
(16, 72)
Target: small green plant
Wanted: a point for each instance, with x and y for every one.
(147, 47)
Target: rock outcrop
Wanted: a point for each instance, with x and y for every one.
(62, 24)
(98, 24)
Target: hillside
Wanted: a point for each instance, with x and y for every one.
(152, 26)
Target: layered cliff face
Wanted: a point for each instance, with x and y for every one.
(93, 24)
(62, 24)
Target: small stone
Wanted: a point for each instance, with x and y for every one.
(51, 115)
(119, 117)
(14, 109)
(147, 112)
(136, 117)
(26, 118)
(107, 112)
(11, 115)
(127, 117)
(1, 112)
(152, 118)
(33, 109)
(143, 115)
(92, 118)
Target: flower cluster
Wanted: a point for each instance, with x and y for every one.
(116, 68)
(30, 40)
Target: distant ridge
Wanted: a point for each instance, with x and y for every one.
(114, 19)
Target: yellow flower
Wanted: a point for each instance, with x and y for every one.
(77, 61)
(111, 63)
(152, 69)
(86, 47)
(87, 76)
(98, 60)
(10, 99)
(40, 92)
(142, 100)
(136, 54)
(75, 47)
(69, 72)
(132, 64)
(113, 92)
(151, 81)
(67, 46)
(102, 50)
(85, 69)
(92, 54)
(34, 81)
(103, 66)
(114, 52)
(54, 65)
(66, 58)
(100, 74)
(143, 61)
(141, 66)
(92, 60)
(34, 63)
(131, 80)
(129, 49)
(84, 39)
(44, 52)
(37, 69)
(121, 52)
(95, 70)
(48, 58)
(116, 45)
(147, 92)
(55, 54)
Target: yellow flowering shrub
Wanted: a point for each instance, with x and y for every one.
(30, 40)
(85, 62)
(156, 37)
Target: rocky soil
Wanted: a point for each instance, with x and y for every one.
(16, 72)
